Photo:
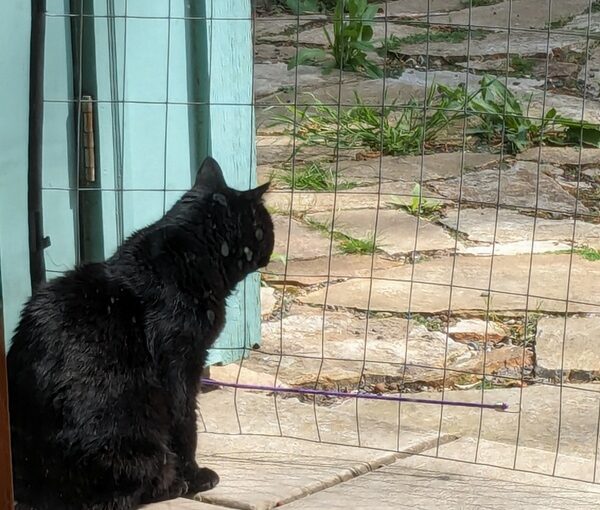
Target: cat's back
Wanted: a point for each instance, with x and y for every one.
(80, 323)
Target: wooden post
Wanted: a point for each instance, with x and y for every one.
(6, 493)
(229, 82)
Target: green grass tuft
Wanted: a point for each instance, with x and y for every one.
(312, 177)
(480, 3)
(521, 65)
(354, 246)
(588, 253)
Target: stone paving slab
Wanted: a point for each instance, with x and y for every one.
(540, 461)
(550, 419)
(267, 26)
(280, 149)
(326, 269)
(426, 482)
(337, 351)
(426, 287)
(269, 78)
(411, 85)
(367, 197)
(561, 155)
(521, 43)
(304, 242)
(521, 185)
(417, 168)
(395, 232)
(410, 8)
(514, 14)
(568, 347)
(477, 330)
(271, 53)
(268, 301)
(260, 473)
(506, 226)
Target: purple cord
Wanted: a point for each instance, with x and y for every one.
(343, 394)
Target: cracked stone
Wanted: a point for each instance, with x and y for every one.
(325, 269)
(505, 226)
(304, 242)
(561, 155)
(515, 14)
(417, 168)
(541, 282)
(477, 330)
(304, 347)
(519, 186)
(367, 197)
(396, 232)
(569, 348)
(268, 301)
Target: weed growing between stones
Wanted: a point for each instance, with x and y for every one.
(480, 3)
(591, 254)
(391, 47)
(312, 177)
(347, 244)
(494, 114)
(350, 42)
(418, 205)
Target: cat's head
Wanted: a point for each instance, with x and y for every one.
(239, 220)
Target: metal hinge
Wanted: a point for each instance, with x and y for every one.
(89, 157)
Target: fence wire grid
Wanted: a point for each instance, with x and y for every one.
(435, 183)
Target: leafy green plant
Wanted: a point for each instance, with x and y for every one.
(347, 244)
(480, 3)
(314, 177)
(560, 22)
(493, 112)
(354, 246)
(350, 42)
(278, 257)
(521, 65)
(595, 7)
(501, 114)
(394, 130)
(588, 253)
(418, 205)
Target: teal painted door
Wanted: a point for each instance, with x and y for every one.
(170, 83)
(14, 105)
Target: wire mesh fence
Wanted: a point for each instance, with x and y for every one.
(434, 169)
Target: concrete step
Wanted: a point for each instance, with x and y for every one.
(261, 473)
(427, 481)
(181, 504)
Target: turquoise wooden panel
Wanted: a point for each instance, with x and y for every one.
(229, 80)
(14, 105)
(153, 80)
(59, 151)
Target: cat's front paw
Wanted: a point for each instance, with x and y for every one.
(178, 488)
(201, 479)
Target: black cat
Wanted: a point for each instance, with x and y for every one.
(105, 365)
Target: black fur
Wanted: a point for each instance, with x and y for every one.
(105, 365)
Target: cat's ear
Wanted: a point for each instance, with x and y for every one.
(210, 176)
(257, 193)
